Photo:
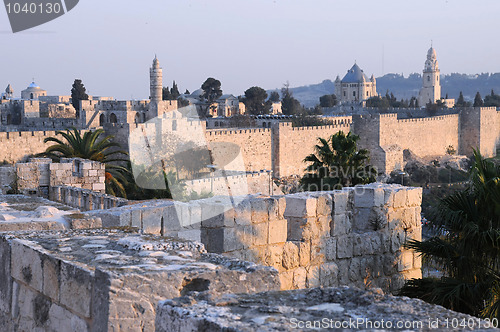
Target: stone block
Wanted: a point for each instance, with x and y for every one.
(417, 260)
(313, 277)
(413, 196)
(76, 288)
(304, 253)
(51, 276)
(243, 213)
(364, 219)
(317, 251)
(233, 239)
(341, 225)
(277, 231)
(195, 214)
(400, 198)
(299, 278)
(343, 272)
(398, 238)
(260, 210)
(290, 256)
(152, 220)
(216, 215)
(325, 205)
(324, 225)
(213, 239)
(281, 203)
(344, 246)
(273, 204)
(390, 265)
(60, 319)
(331, 249)
(365, 197)
(300, 206)
(274, 256)
(302, 229)
(405, 261)
(340, 202)
(26, 264)
(286, 280)
(5, 277)
(190, 234)
(355, 269)
(260, 234)
(328, 275)
(412, 274)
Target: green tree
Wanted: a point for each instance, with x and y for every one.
(460, 101)
(274, 97)
(492, 100)
(187, 92)
(378, 102)
(166, 94)
(468, 247)
(78, 93)
(289, 105)
(255, 101)
(211, 92)
(337, 162)
(328, 100)
(174, 92)
(92, 146)
(478, 101)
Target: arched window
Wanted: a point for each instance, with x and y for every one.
(428, 78)
(31, 96)
(102, 120)
(137, 118)
(113, 118)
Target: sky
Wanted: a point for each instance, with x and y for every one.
(110, 44)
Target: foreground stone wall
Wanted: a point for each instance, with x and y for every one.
(108, 280)
(19, 146)
(353, 236)
(349, 237)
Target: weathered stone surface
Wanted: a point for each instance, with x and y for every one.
(284, 311)
(345, 246)
(277, 231)
(300, 206)
(290, 255)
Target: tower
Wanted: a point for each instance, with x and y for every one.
(431, 87)
(156, 82)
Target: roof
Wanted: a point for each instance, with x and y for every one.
(354, 75)
(224, 97)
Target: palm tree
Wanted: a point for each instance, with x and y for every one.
(91, 146)
(337, 163)
(468, 251)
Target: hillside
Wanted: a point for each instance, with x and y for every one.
(406, 87)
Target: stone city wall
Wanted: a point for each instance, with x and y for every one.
(19, 146)
(255, 145)
(291, 145)
(479, 129)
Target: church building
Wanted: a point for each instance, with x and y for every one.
(355, 87)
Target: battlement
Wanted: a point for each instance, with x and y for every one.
(26, 134)
(428, 119)
(228, 132)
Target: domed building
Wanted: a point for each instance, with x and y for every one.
(355, 87)
(33, 92)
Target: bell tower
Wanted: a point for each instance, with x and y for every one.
(431, 87)
(156, 82)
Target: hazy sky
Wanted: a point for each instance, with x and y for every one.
(110, 44)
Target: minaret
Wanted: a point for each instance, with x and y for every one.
(431, 87)
(9, 92)
(156, 82)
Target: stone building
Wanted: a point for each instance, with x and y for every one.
(431, 86)
(355, 87)
(33, 91)
(8, 94)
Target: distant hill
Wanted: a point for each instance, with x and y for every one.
(406, 87)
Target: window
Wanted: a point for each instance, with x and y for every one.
(102, 120)
(354, 93)
(367, 93)
(344, 93)
(428, 78)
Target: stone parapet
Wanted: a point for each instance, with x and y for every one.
(109, 280)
